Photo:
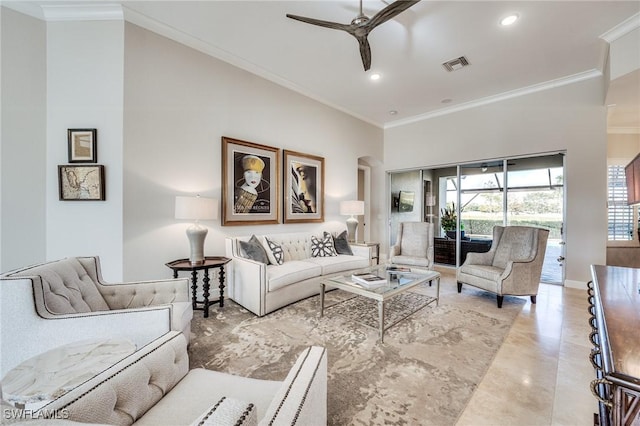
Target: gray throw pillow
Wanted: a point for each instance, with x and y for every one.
(253, 250)
(341, 244)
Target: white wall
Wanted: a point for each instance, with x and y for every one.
(23, 169)
(178, 104)
(622, 148)
(570, 118)
(85, 90)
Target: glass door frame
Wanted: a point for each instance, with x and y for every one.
(505, 203)
(505, 200)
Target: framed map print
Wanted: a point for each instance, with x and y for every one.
(81, 183)
(250, 188)
(303, 188)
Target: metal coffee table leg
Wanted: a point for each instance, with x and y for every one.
(381, 318)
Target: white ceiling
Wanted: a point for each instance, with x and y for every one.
(553, 42)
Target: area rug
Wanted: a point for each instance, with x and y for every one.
(423, 374)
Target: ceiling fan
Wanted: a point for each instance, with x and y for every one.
(362, 25)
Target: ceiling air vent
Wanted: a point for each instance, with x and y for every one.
(456, 64)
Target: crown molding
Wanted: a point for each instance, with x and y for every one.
(26, 8)
(623, 130)
(622, 29)
(551, 84)
(114, 11)
(84, 12)
(200, 45)
(68, 12)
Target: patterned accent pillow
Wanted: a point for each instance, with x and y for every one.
(277, 255)
(229, 411)
(323, 247)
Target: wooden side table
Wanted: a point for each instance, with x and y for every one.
(209, 262)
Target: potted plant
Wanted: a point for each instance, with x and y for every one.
(449, 221)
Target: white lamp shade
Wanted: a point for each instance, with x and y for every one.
(352, 207)
(196, 208)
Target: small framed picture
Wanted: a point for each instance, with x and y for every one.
(81, 183)
(82, 145)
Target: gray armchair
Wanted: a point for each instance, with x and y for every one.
(414, 245)
(513, 265)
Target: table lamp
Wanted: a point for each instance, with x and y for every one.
(352, 208)
(196, 208)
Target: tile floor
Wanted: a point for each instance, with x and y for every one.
(541, 374)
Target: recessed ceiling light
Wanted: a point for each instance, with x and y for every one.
(509, 20)
(375, 76)
(393, 112)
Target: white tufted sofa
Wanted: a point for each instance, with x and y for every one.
(55, 303)
(263, 288)
(154, 386)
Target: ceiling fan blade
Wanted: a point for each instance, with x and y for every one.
(320, 23)
(389, 12)
(361, 26)
(365, 52)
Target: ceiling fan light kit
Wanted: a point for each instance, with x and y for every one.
(362, 25)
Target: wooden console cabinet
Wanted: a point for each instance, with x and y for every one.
(614, 304)
(444, 249)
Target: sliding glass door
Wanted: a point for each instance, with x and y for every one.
(470, 199)
(481, 198)
(535, 197)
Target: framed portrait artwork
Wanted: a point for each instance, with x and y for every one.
(81, 183)
(82, 145)
(303, 187)
(250, 188)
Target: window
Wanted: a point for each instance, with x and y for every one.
(621, 216)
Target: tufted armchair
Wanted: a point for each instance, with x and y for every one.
(512, 266)
(55, 303)
(414, 245)
(154, 386)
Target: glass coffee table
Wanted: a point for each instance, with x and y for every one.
(397, 282)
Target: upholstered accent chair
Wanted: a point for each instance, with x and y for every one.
(414, 245)
(63, 301)
(512, 266)
(154, 386)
